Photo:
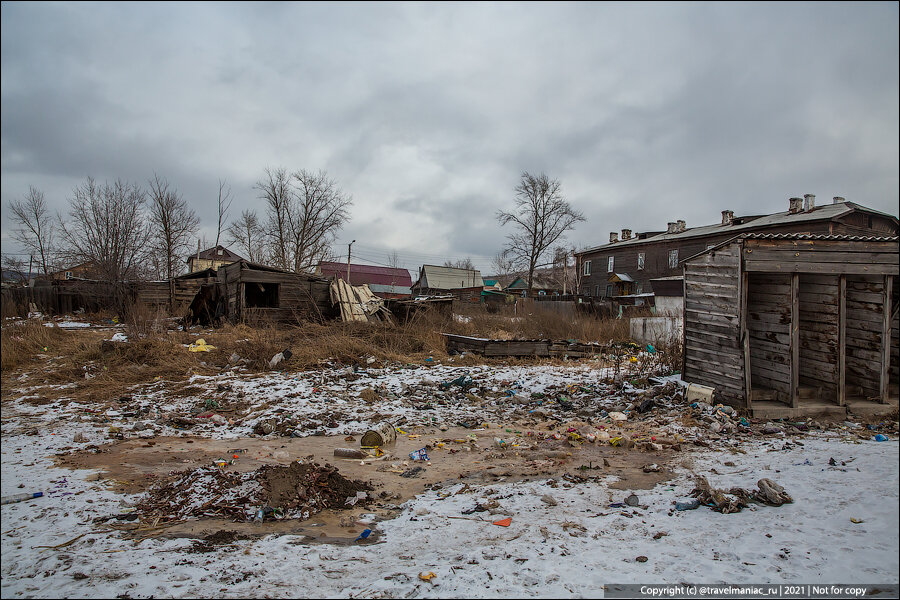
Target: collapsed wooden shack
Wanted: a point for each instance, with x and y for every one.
(257, 294)
(793, 324)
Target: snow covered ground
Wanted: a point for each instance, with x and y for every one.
(571, 549)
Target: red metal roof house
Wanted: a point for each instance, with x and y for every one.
(385, 282)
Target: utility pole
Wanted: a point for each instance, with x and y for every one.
(28, 277)
(349, 246)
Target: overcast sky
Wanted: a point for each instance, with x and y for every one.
(428, 114)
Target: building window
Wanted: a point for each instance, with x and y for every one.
(611, 265)
(260, 295)
(609, 291)
(639, 288)
(220, 252)
(673, 259)
(586, 270)
(641, 258)
(68, 274)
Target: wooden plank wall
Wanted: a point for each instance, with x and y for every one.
(864, 322)
(769, 329)
(895, 333)
(819, 333)
(713, 353)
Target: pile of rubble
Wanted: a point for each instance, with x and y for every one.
(295, 491)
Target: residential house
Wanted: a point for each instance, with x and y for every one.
(626, 266)
(465, 284)
(212, 258)
(541, 285)
(384, 282)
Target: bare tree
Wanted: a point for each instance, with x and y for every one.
(247, 234)
(542, 217)
(393, 260)
(305, 212)
(319, 212)
(107, 229)
(276, 192)
(172, 226)
(503, 265)
(463, 263)
(17, 267)
(224, 205)
(36, 229)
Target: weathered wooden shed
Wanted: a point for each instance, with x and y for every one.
(794, 324)
(254, 293)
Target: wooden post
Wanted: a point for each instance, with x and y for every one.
(886, 338)
(745, 336)
(842, 341)
(795, 339)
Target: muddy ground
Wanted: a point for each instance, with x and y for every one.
(133, 466)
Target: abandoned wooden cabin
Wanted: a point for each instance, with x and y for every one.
(254, 293)
(795, 324)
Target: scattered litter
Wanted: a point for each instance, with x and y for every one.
(503, 522)
(20, 497)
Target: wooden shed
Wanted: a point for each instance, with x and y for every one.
(794, 324)
(254, 293)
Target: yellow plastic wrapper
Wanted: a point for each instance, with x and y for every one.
(200, 346)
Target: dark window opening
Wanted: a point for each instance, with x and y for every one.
(261, 295)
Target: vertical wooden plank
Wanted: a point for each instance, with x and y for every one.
(842, 340)
(795, 339)
(744, 282)
(886, 337)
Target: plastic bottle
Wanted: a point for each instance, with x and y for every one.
(21, 497)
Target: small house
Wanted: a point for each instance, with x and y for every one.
(384, 282)
(212, 258)
(465, 284)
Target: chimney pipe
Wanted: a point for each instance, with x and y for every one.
(809, 202)
(727, 217)
(681, 226)
(839, 199)
(613, 237)
(670, 228)
(795, 205)
(626, 234)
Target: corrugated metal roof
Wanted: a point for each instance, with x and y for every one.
(449, 278)
(369, 274)
(826, 212)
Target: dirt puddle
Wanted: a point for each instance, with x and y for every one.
(133, 466)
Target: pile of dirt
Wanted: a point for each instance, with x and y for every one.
(307, 487)
(271, 492)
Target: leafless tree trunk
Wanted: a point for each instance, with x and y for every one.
(107, 229)
(36, 231)
(247, 234)
(173, 226)
(276, 192)
(542, 217)
(224, 205)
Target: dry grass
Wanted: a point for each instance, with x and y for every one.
(64, 356)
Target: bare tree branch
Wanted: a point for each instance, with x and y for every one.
(36, 232)
(247, 234)
(542, 216)
(172, 224)
(224, 205)
(107, 230)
